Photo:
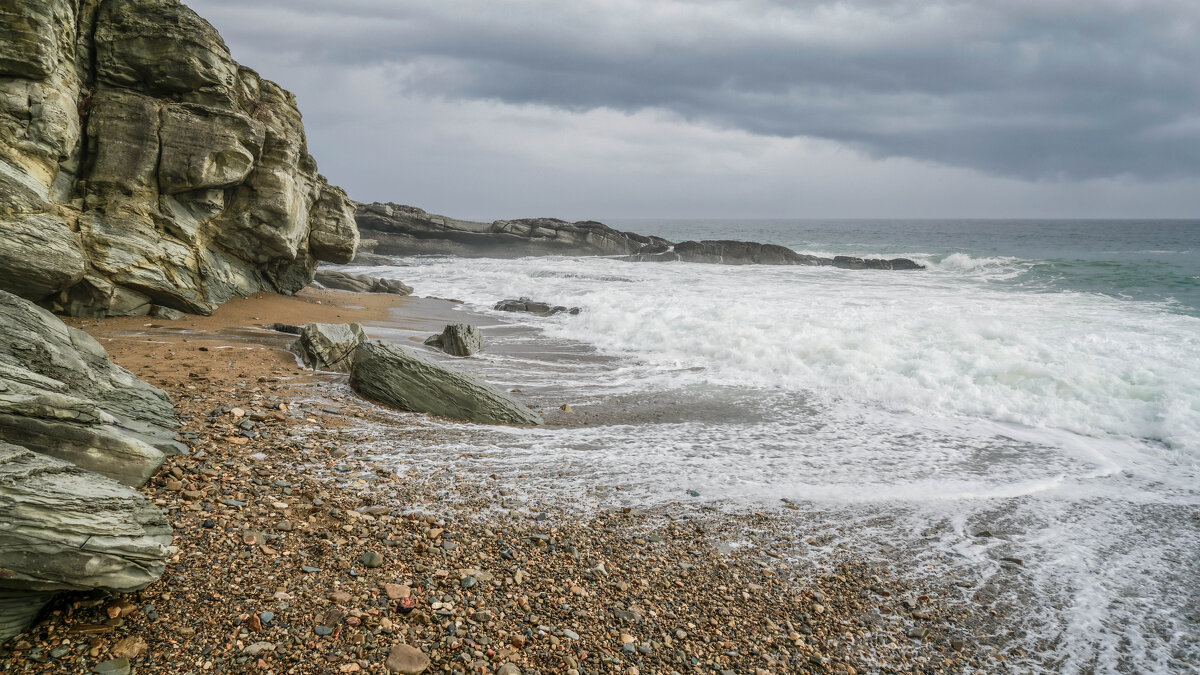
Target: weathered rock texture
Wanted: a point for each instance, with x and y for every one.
(407, 230)
(457, 339)
(61, 396)
(141, 167)
(65, 528)
(329, 346)
(400, 377)
(359, 283)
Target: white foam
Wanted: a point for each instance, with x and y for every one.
(900, 402)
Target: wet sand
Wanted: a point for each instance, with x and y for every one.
(294, 546)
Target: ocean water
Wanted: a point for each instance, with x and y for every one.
(1040, 381)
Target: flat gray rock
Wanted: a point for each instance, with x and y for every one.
(402, 378)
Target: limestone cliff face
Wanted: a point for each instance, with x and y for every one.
(140, 166)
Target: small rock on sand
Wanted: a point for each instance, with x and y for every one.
(407, 660)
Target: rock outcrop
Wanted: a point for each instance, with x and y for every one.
(534, 307)
(329, 346)
(395, 229)
(407, 230)
(65, 528)
(61, 396)
(458, 339)
(141, 167)
(399, 377)
(359, 283)
(75, 432)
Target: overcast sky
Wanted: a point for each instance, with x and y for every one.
(614, 109)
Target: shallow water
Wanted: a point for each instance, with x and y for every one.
(911, 410)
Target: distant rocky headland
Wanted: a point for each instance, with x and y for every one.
(396, 229)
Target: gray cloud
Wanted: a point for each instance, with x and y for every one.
(1050, 89)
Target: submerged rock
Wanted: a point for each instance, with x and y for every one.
(60, 395)
(402, 378)
(69, 529)
(142, 167)
(329, 346)
(359, 283)
(457, 339)
(534, 307)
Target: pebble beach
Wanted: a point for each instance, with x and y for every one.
(296, 551)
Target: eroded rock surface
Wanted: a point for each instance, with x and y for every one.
(458, 339)
(329, 346)
(69, 529)
(141, 167)
(359, 283)
(401, 378)
(60, 395)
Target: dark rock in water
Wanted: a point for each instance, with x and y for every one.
(407, 230)
(533, 307)
(846, 262)
(457, 339)
(372, 260)
(283, 328)
(329, 346)
(70, 529)
(402, 378)
(358, 283)
(60, 395)
(144, 168)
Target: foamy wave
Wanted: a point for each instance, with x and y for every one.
(932, 344)
(963, 262)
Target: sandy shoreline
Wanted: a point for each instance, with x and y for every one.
(294, 546)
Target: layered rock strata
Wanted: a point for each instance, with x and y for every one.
(141, 167)
(360, 283)
(61, 396)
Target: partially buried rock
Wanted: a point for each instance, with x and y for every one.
(370, 559)
(329, 346)
(407, 660)
(359, 283)
(457, 339)
(400, 377)
(534, 307)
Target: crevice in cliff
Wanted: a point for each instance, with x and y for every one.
(86, 22)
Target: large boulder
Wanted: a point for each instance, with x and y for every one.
(64, 528)
(329, 346)
(458, 339)
(141, 167)
(402, 378)
(60, 395)
(360, 283)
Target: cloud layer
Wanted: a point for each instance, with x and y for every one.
(1098, 96)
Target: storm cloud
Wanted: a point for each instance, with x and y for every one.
(1044, 91)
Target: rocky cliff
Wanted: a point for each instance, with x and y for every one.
(140, 166)
(395, 229)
